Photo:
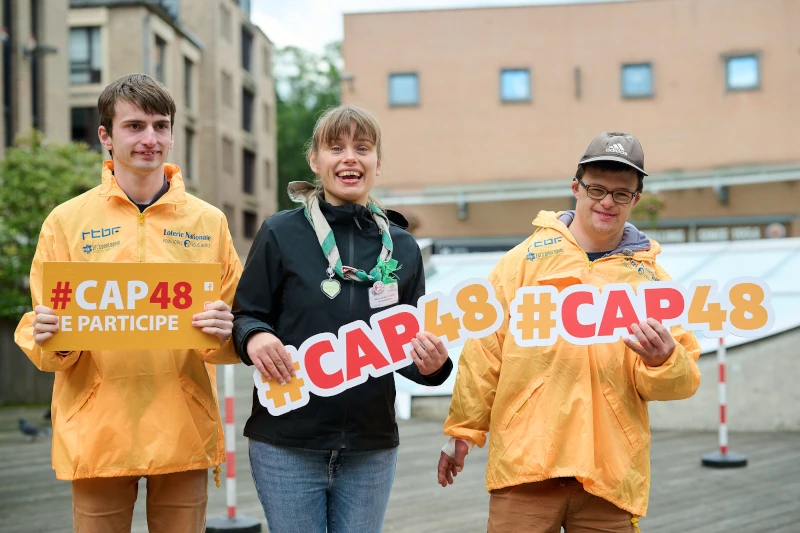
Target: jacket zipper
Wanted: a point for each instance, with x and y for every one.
(351, 290)
(141, 237)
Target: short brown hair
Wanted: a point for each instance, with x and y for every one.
(140, 90)
(610, 166)
(336, 122)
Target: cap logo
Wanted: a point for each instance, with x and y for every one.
(616, 149)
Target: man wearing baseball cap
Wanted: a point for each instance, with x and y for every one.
(570, 435)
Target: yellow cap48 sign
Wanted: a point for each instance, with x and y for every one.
(129, 306)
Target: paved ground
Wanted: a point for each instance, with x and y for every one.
(764, 497)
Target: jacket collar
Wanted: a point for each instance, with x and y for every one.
(175, 195)
(634, 242)
(346, 214)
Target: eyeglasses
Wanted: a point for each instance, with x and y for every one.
(597, 192)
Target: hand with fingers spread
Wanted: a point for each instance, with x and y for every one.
(215, 320)
(45, 324)
(449, 467)
(655, 344)
(428, 352)
(270, 357)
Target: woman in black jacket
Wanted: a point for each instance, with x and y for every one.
(331, 463)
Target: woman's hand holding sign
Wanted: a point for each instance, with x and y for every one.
(270, 357)
(428, 353)
(655, 344)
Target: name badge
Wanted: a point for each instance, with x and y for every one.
(383, 294)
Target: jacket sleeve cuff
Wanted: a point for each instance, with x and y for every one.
(244, 335)
(441, 375)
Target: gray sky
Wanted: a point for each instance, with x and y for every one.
(310, 24)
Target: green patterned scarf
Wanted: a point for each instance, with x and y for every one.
(303, 192)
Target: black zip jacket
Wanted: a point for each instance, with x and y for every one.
(280, 293)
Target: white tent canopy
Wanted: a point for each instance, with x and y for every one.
(775, 261)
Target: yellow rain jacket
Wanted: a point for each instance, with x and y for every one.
(126, 413)
(567, 410)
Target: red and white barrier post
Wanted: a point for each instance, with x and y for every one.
(722, 458)
(230, 444)
(233, 522)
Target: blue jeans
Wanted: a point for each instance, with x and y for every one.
(314, 491)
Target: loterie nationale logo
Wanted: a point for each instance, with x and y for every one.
(187, 239)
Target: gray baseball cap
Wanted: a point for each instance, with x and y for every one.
(612, 146)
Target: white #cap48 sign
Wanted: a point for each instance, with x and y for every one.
(327, 364)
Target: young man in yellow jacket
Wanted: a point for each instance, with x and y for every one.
(122, 415)
(570, 436)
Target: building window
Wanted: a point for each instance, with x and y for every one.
(248, 171)
(225, 22)
(189, 167)
(230, 215)
(266, 117)
(742, 73)
(403, 89)
(268, 174)
(85, 121)
(248, 99)
(247, 49)
(85, 55)
(637, 80)
(227, 155)
(250, 223)
(515, 85)
(160, 59)
(188, 72)
(227, 89)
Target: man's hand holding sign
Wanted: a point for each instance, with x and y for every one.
(655, 342)
(216, 320)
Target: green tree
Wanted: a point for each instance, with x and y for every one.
(34, 178)
(306, 85)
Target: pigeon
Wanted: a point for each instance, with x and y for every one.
(30, 430)
(46, 414)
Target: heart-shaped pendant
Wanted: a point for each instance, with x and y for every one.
(331, 288)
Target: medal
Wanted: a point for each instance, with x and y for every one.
(330, 287)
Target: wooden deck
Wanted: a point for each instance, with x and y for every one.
(685, 497)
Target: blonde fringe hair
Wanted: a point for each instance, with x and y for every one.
(335, 123)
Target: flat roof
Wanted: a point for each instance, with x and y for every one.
(541, 4)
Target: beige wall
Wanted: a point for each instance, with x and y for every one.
(53, 83)
(461, 133)
(55, 76)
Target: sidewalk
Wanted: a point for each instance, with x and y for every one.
(684, 496)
